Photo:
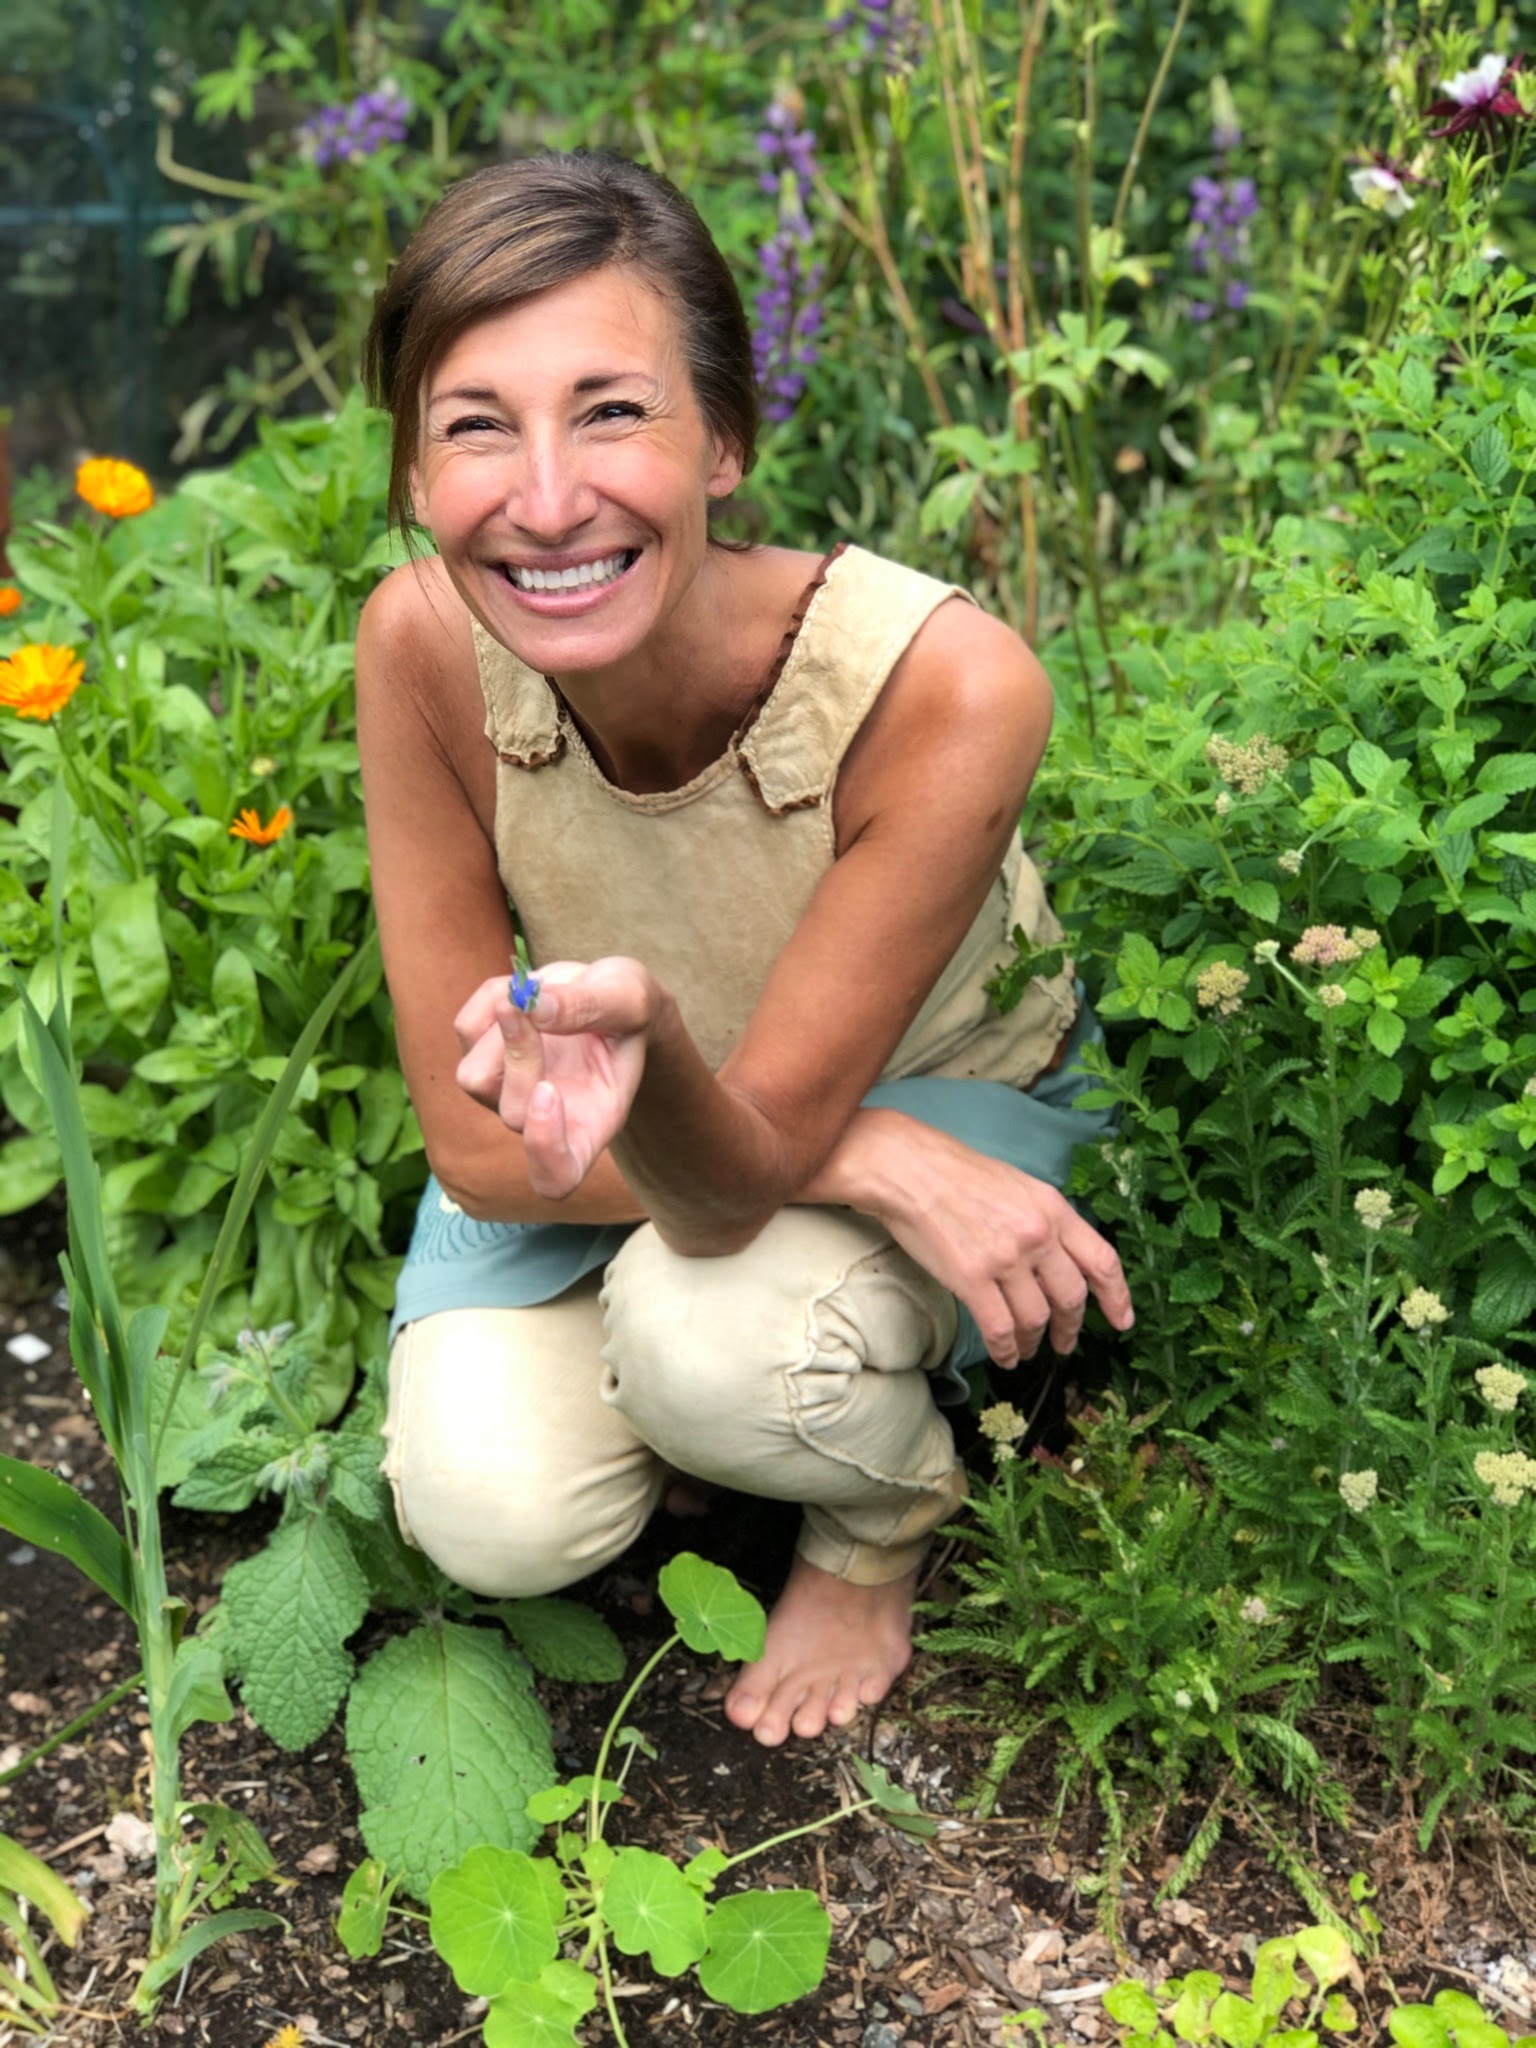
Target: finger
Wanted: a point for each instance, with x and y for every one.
(480, 1071)
(1029, 1308)
(615, 997)
(1062, 1282)
(522, 1065)
(555, 1168)
(1098, 1262)
(996, 1321)
(478, 1013)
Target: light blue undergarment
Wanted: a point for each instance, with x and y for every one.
(456, 1262)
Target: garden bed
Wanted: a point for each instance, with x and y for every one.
(933, 1942)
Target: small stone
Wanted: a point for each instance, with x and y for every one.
(878, 1954)
(22, 1554)
(131, 1837)
(30, 1703)
(879, 2035)
(323, 1856)
(29, 1349)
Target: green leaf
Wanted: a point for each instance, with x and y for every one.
(448, 1744)
(128, 951)
(899, 1806)
(1386, 1031)
(1275, 1982)
(1489, 457)
(713, 1613)
(765, 1949)
(43, 1509)
(1237, 2022)
(365, 1909)
(1505, 1299)
(653, 1910)
(1131, 2005)
(225, 1482)
(702, 1870)
(490, 1921)
(26, 1876)
(542, 2015)
(1507, 774)
(1260, 900)
(217, 1927)
(290, 1609)
(948, 502)
(197, 1685)
(1326, 1954)
(564, 1640)
(1415, 2026)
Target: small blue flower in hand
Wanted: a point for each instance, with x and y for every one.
(522, 989)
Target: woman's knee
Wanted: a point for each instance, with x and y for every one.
(508, 1494)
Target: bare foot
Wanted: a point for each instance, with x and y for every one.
(832, 1648)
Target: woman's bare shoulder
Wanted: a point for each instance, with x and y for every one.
(415, 614)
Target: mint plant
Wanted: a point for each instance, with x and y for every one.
(528, 1931)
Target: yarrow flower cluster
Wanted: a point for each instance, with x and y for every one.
(1373, 1206)
(337, 134)
(1358, 1489)
(1289, 862)
(1511, 1474)
(1267, 952)
(1002, 1425)
(1501, 1387)
(1255, 1610)
(1220, 209)
(1247, 764)
(1332, 995)
(1329, 945)
(1219, 987)
(788, 312)
(38, 681)
(1421, 1310)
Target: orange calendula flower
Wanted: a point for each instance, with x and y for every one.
(38, 681)
(10, 600)
(249, 826)
(117, 488)
(287, 2037)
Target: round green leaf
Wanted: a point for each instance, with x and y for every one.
(491, 1921)
(765, 1949)
(1326, 1954)
(1415, 2026)
(542, 2015)
(653, 1910)
(1132, 2005)
(712, 1612)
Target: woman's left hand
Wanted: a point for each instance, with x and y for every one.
(563, 1073)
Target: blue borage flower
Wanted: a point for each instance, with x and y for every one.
(522, 989)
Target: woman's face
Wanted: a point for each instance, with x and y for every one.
(564, 471)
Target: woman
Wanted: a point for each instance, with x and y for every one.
(720, 1188)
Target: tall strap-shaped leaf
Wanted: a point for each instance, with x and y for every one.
(243, 1194)
(43, 1509)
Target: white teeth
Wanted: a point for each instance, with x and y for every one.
(581, 577)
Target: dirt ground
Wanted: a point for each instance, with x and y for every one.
(933, 1942)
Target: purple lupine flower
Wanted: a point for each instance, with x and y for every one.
(337, 134)
(1220, 209)
(788, 314)
(890, 31)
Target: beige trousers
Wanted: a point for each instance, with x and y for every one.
(526, 1446)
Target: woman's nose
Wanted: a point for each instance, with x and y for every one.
(550, 495)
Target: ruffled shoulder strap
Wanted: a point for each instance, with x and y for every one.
(522, 713)
(860, 622)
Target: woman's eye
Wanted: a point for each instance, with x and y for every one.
(473, 425)
(619, 409)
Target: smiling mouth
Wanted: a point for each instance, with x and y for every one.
(582, 576)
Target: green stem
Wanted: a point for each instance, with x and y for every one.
(102, 1706)
(608, 1998)
(594, 1802)
(811, 1827)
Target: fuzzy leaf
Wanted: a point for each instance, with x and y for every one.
(225, 1482)
(448, 1743)
(290, 1609)
(491, 1922)
(654, 1911)
(1506, 1289)
(714, 1614)
(564, 1640)
(765, 1949)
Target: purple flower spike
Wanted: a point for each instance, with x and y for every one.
(522, 989)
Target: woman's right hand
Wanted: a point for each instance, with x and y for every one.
(1012, 1248)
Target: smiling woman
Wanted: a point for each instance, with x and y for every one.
(749, 1173)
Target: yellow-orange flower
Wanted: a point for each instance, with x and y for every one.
(38, 681)
(287, 2037)
(249, 826)
(10, 600)
(116, 488)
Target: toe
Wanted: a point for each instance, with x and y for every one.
(777, 1717)
(745, 1701)
(845, 1702)
(811, 1716)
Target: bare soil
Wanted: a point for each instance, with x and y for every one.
(933, 1943)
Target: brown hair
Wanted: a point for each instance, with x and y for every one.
(518, 228)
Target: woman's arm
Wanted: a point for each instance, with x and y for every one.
(927, 802)
(429, 783)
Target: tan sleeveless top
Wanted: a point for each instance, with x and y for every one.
(705, 883)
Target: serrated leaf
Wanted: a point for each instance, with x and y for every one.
(714, 1614)
(225, 1481)
(448, 1745)
(1386, 1031)
(490, 1921)
(1505, 1299)
(365, 1909)
(1489, 457)
(289, 1610)
(653, 1910)
(1260, 900)
(1507, 773)
(564, 1640)
(765, 1949)
(354, 1476)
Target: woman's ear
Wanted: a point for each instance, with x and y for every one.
(418, 496)
(727, 471)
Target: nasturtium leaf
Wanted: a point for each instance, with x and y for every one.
(289, 1610)
(1275, 1982)
(597, 1860)
(765, 1949)
(653, 1910)
(1131, 2005)
(1237, 2022)
(564, 1640)
(559, 1802)
(713, 1613)
(542, 2015)
(448, 1743)
(1326, 1954)
(702, 1870)
(1340, 2015)
(491, 1922)
(1416, 2026)
(364, 1909)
